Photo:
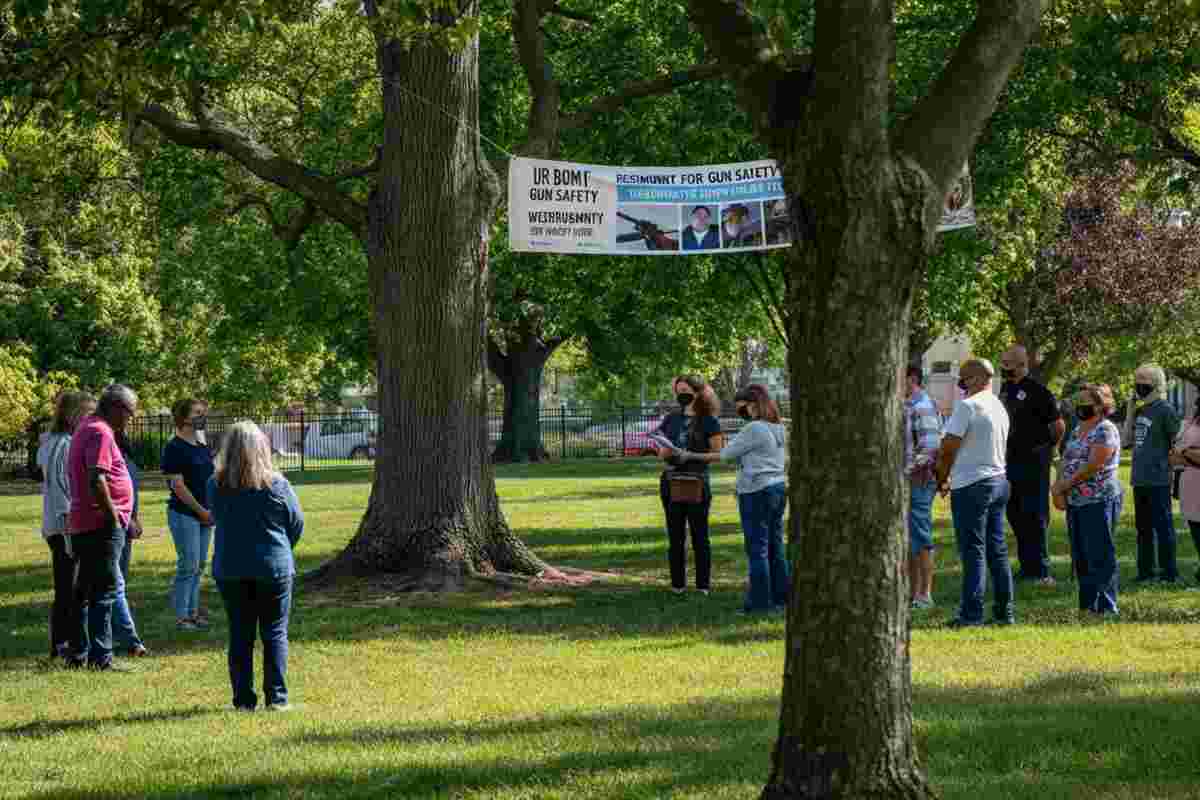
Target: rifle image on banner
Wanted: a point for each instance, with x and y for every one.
(655, 237)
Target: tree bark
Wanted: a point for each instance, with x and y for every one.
(520, 372)
(433, 513)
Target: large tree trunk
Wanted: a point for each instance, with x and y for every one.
(846, 722)
(433, 514)
(520, 373)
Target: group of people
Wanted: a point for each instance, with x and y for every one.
(994, 458)
(91, 518)
(759, 449)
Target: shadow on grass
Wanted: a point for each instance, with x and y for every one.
(1060, 736)
(42, 729)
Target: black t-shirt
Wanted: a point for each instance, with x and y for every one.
(690, 433)
(1032, 409)
(195, 463)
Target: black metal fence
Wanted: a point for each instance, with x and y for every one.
(313, 441)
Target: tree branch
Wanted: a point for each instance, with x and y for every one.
(636, 89)
(211, 132)
(943, 127)
(542, 126)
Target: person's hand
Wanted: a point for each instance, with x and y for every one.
(944, 488)
(205, 516)
(665, 454)
(1060, 487)
(135, 529)
(1175, 459)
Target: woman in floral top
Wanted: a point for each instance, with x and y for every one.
(1092, 495)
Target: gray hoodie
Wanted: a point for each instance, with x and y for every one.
(759, 449)
(56, 491)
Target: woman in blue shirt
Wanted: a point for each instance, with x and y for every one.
(187, 465)
(258, 522)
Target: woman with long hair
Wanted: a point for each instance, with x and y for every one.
(684, 488)
(759, 450)
(69, 409)
(258, 522)
(187, 464)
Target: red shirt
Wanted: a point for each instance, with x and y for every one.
(95, 446)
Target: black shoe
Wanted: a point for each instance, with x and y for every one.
(1001, 622)
(959, 622)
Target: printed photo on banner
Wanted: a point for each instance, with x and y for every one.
(742, 225)
(960, 204)
(779, 227)
(700, 228)
(644, 227)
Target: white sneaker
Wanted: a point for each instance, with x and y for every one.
(922, 603)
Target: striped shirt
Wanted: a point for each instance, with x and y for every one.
(922, 436)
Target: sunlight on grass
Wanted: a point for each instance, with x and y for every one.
(617, 691)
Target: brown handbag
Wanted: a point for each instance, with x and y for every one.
(686, 489)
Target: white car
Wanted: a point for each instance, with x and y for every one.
(342, 436)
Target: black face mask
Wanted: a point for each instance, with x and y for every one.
(962, 384)
(744, 413)
(1008, 374)
(685, 400)
(1084, 413)
(1143, 390)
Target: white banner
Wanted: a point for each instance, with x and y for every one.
(562, 207)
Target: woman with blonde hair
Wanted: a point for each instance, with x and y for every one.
(258, 522)
(56, 505)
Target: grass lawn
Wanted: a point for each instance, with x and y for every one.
(619, 691)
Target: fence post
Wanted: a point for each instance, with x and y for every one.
(562, 429)
(303, 439)
(622, 446)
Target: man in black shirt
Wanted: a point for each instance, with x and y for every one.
(1037, 426)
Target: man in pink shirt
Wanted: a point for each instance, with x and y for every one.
(101, 504)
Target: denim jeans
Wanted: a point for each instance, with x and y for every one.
(1094, 551)
(258, 606)
(1155, 522)
(1029, 515)
(762, 527)
(124, 629)
(680, 518)
(920, 517)
(97, 552)
(65, 569)
(191, 554)
(978, 512)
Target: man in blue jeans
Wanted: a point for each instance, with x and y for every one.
(922, 437)
(971, 465)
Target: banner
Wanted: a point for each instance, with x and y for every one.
(562, 207)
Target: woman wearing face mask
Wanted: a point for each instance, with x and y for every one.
(1091, 494)
(1151, 427)
(759, 451)
(187, 464)
(684, 488)
(1186, 455)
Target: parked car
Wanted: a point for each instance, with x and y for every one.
(342, 436)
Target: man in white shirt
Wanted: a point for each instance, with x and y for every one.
(971, 466)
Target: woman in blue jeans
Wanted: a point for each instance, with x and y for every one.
(1091, 494)
(258, 522)
(759, 450)
(187, 465)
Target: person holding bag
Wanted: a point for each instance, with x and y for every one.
(1185, 455)
(760, 451)
(684, 487)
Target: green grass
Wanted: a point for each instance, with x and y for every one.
(612, 692)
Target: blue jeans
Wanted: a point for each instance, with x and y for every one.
(978, 512)
(258, 606)
(762, 527)
(191, 553)
(97, 553)
(920, 517)
(1155, 522)
(1094, 553)
(124, 630)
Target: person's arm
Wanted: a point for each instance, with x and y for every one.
(947, 455)
(56, 470)
(1099, 454)
(749, 438)
(1057, 429)
(188, 499)
(295, 521)
(99, 483)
